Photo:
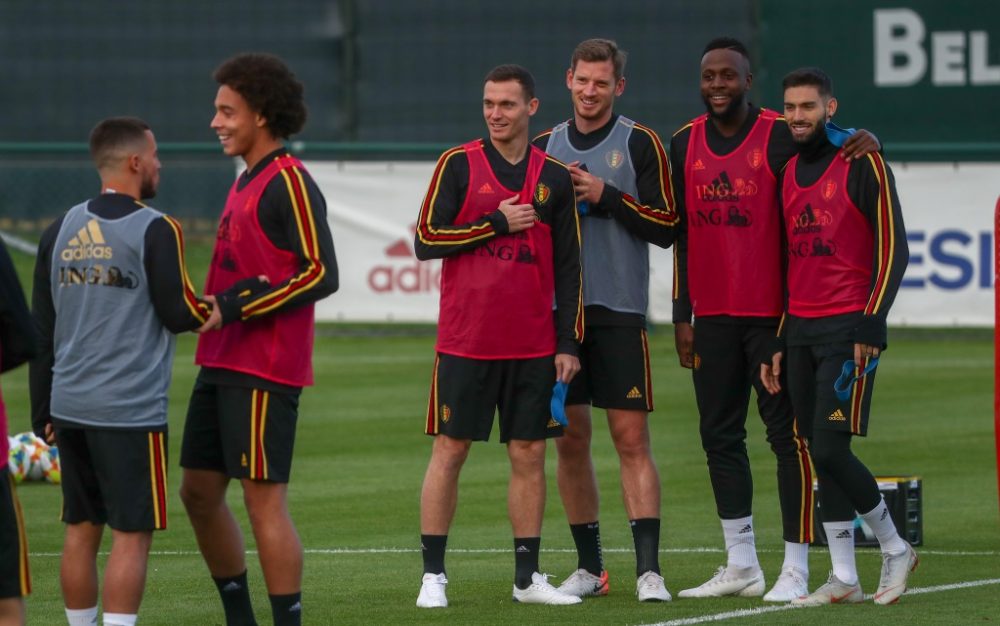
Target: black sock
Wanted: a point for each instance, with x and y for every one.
(646, 535)
(235, 594)
(432, 547)
(525, 560)
(587, 538)
(287, 609)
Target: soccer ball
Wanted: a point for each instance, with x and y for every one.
(30, 458)
(50, 466)
(16, 459)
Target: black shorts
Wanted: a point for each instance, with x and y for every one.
(114, 477)
(15, 578)
(466, 393)
(240, 431)
(614, 370)
(811, 372)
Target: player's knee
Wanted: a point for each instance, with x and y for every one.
(451, 451)
(197, 499)
(632, 446)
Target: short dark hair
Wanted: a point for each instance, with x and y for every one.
(269, 87)
(726, 43)
(809, 76)
(593, 50)
(504, 73)
(114, 135)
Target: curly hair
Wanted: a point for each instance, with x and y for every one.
(269, 87)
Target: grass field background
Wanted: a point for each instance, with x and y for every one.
(361, 455)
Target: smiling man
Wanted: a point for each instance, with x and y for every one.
(502, 216)
(620, 174)
(273, 260)
(728, 299)
(847, 252)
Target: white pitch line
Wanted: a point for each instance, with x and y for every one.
(394, 550)
(719, 617)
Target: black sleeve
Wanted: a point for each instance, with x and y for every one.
(565, 258)
(44, 313)
(682, 310)
(780, 146)
(438, 235)
(872, 188)
(652, 217)
(174, 300)
(18, 340)
(292, 213)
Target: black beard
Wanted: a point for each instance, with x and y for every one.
(147, 191)
(811, 137)
(730, 112)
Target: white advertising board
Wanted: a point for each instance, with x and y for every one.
(373, 206)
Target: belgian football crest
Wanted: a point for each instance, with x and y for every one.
(615, 158)
(542, 193)
(829, 188)
(755, 158)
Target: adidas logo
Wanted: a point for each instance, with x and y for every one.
(88, 244)
(243, 460)
(232, 586)
(885, 514)
(746, 529)
(633, 393)
(522, 549)
(837, 416)
(698, 165)
(486, 188)
(844, 534)
(552, 424)
(295, 608)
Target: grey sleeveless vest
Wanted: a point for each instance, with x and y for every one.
(615, 262)
(113, 356)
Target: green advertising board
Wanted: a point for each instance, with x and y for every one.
(924, 75)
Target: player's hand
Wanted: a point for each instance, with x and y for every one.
(863, 351)
(567, 366)
(214, 318)
(859, 144)
(587, 186)
(50, 434)
(519, 216)
(770, 374)
(684, 341)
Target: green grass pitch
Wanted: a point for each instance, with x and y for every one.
(361, 455)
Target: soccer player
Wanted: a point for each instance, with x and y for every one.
(846, 250)
(502, 216)
(620, 174)
(110, 290)
(728, 299)
(18, 343)
(258, 356)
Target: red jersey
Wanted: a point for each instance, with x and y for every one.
(733, 225)
(497, 299)
(830, 244)
(278, 346)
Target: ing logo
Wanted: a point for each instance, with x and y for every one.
(810, 220)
